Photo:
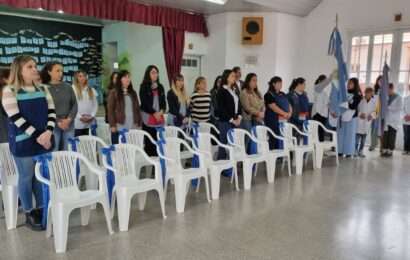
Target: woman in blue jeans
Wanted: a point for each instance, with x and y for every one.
(31, 121)
(65, 102)
(230, 115)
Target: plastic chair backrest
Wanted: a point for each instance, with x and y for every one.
(172, 150)
(8, 165)
(205, 144)
(104, 132)
(62, 170)
(123, 161)
(313, 130)
(136, 137)
(262, 135)
(238, 136)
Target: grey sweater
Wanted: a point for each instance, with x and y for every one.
(64, 100)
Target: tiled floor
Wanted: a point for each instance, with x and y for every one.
(357, 211)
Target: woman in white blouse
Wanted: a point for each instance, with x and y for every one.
(87, 103)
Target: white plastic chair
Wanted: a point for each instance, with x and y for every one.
(248, 160)
(176, 172)
(262, 134)
(65, 195)
(215, 167)
(299, 150)
(312, 129)
(207, 128)
(136, 137)
(176, 132)
(104, 132)
(9, 179)
(127, 184)
(89, 146)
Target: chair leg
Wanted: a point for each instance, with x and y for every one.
(60, 227)
(113, 200)
(124, 209)
(215, 183)
(235, 174)
(319, 157)
(107, 214)
(142, 198)
(337, 155)
(91, 181)
(289, 166)
(10, 201)
(208, 197)
(166, 189)
(49, 228)
(247, 175)
(180, 194)
(271, 169)
(299, 162)
(161, 201)
(85, 215)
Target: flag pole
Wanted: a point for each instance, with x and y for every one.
(337, 21)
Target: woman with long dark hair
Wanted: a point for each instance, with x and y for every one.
(299, 102)
(123, 106)
(64, 100)
(109, 87)
(153, 106)
(230, 115)
(278, 109)
(253, 109)
(374, 133)
(214, 102)
(346, 130)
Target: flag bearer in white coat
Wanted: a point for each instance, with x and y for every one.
(392, 123)
(406, 124)
(367, 113)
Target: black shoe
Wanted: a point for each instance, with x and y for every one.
(32, 221)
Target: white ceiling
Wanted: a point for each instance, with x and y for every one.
(295, 7)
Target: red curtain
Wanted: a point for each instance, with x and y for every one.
(173, 41)
(122, 10)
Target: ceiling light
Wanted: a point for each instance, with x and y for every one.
(60, 11)
(219, 2)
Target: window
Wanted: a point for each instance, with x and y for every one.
(382, 48)
(186, 62)
(358, 57)
(404, 72)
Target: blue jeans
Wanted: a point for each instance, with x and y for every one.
(360, 142)
(223, 128)
(27, 184)
(61, 138)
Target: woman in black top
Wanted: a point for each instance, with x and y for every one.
(214, 102)
(153, 106)
(346, 131)
(230, 115)
(177, 103)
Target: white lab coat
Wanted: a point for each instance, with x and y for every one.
(393, 117)
(406, 109)
(367, 108)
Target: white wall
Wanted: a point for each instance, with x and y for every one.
(363, 15)
(278, 54)
(143, 43)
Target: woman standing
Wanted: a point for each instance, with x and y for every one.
(178, 103)
(278, 109)
(230, 115)
(214, 101)
(374, 133)
(4, 75)
(153, 106)
(253, 110)
(200, 106)
(110, 86)
(87, 104)
(299, 102)
(123, 106)
(320, 109)
(31, 115)
(348, 123)
(65, 101)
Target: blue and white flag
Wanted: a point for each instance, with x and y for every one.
(338, 93)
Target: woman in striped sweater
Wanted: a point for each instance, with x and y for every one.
(31, 115)
(200, 105)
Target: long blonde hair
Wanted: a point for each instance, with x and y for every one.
(180, 93)
(77, 86)
(16, 77)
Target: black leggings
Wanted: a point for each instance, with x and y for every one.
(323, 120)
(389, 139)
(150, 148)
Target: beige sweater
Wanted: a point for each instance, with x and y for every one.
(251, 104)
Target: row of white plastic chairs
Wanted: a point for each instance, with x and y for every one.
(126, 160)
